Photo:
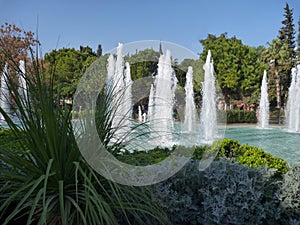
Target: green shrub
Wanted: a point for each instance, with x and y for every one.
(199, 151)
(142, 158)
(231, 149)
(254, 157)
(228, 148)
(241, 116)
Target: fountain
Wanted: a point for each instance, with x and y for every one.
(4, 92)
(119, 86)
(263, 116)
(293, 103)
(208, 115)
(151, 103)
(190, 108)
(140, 116)
(159, 119)
(161, 101)
(127, 100)
(111, 64)
(22, 81)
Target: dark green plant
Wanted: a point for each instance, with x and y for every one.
(143, 158)
(241, 116)
(46, 181)
(228, 148)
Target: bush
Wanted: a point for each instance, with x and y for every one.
(8, 140)
(224, 193)
(290, 195)
(230, 149)
(249, 156)
(241, 116)
(254, 157)
(142, 158)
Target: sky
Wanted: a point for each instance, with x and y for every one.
(71, 23)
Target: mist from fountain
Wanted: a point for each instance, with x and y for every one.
(189, 123)
(208, 115)
(263, 116)
(4, 92)
(293, 103)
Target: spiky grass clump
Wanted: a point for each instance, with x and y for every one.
(46, 181)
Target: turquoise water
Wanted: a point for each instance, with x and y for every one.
(274, 140)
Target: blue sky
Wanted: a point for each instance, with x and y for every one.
(67, 23)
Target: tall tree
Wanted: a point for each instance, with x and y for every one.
(99, 50)
(298, 49)
(287, 36)
(277, 56)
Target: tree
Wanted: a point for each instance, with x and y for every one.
(99, 51)
(298, 49)
(252, 72)
(143, 63)
(160, 48)
(15, 44)
(236, 65)
(287, 36)
(277, 56)
(68, 65)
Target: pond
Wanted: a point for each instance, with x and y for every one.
(274, 140)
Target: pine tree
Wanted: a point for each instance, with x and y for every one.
(160, 49)
(298, 49)
(287, 37)
(99, 50)
(287, 32)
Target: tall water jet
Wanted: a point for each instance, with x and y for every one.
(293, 103)
(111, 64)
(127, 100)
(22, 81)
(208, 115)
(151, 103)
(119, 86)
(263, 116)
(161, 108)
(190, 108)
(4, 92)
(140, 114)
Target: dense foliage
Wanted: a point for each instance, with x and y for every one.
(241, 116)
(230, 149)
(43, 177)
(228, 193)
(67, 66)
(246, 155)
(238, 70)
